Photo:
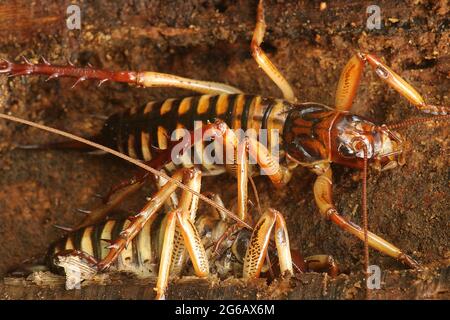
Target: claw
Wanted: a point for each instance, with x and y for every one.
(410, 262)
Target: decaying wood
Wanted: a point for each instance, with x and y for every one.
(427, 284)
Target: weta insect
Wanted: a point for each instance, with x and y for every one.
(143, 253)
(78, 253)
(309, 134)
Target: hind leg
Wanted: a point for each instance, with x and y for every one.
(259, 243)
(145, 79)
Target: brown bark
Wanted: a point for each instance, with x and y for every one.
(428, 284)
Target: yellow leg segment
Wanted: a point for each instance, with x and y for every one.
(262, 59)
(323, 196)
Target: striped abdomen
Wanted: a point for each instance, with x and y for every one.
(139, 132)
(140, 257)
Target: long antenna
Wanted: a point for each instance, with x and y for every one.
(365, 223)
(129, 159)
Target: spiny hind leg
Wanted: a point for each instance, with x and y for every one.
(259, 242)
(145, 79)
(192, 241)
(130, 186)
(175, 247)
(262, 59)
(188, 204)
(182, 218)
(138, 221)
(323, 195)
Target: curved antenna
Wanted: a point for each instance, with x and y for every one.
(129, 159)
(365, 221)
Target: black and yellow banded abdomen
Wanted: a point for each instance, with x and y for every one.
(140, 257)
(139, 132)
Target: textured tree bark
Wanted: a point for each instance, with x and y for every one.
(428, 284)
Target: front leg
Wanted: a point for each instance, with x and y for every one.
(323, 196)
(402, 86)
(350, 77)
